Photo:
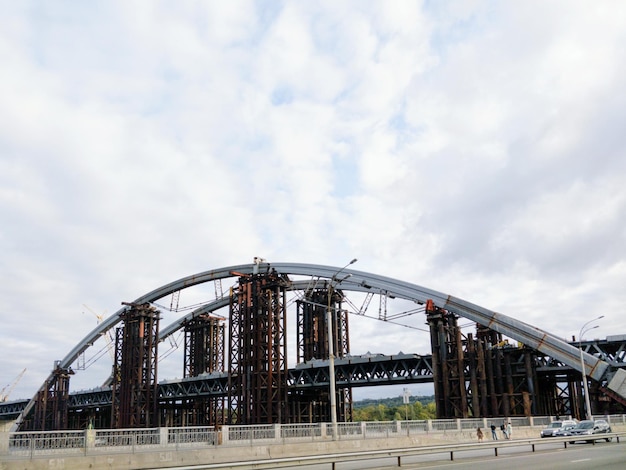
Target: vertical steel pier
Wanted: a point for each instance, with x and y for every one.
(51, 408)
(482, 376)
(134, 387)
(257, 359)
(312, 406)
(203, 354)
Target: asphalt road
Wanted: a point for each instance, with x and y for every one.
(602, 455)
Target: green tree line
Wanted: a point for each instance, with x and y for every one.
(392, 409)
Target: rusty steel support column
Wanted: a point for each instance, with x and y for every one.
(341, 348)
(448, 363)
(257, 363)
(488, 339)
(311, 406)
(459, 365)
(434, 319)
(503, 403)
(599, 402)
(482, 375)
(509, 391)
(235, 341)
(558, 395)
(531, 380)
(204, 345)
(342, 330)
(134, 386)
(51, 407)
(510, 377)
(312, 338)
(474, 371)
(311, 326)
(576, 395)
(518, 368)
(203, 353)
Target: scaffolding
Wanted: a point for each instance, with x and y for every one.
(134, 385)
(51, 405)
(482, 376)
(312, 339)
(203, 354)
(257, 357)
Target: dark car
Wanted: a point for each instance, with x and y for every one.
(587, 428)
(564, 430)
(555, 426)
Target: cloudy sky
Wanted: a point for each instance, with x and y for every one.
(472, 147)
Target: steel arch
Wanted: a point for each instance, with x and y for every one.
(360, 281)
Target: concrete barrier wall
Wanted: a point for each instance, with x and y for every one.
(164, 456)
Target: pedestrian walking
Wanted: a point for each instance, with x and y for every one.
(479, 434)
(509, 430)
(494, 436)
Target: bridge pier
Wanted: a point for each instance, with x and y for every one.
(312, 343)
(480, 377)
(51, 402)
(257, 359)
(134, 386)
(204, 352)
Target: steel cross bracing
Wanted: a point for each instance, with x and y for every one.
(359, 281)
(611, 349)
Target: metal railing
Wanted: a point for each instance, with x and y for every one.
(51, 442)
(259, 432)
(91, 441)
(302, 431)
(126, 437)
(192, 436)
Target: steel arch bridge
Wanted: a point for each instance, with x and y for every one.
(325, 277)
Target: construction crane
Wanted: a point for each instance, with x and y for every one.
(7, 389)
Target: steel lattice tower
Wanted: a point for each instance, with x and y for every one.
(257, 360)
(448, 363)
(312, 339)
(51, 407)
(204, 354)
(134, 387)
(482, 376)
(204, 345)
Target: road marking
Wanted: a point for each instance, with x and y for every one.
(580, 460)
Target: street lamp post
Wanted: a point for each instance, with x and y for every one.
(331, 350)
(587, 409)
